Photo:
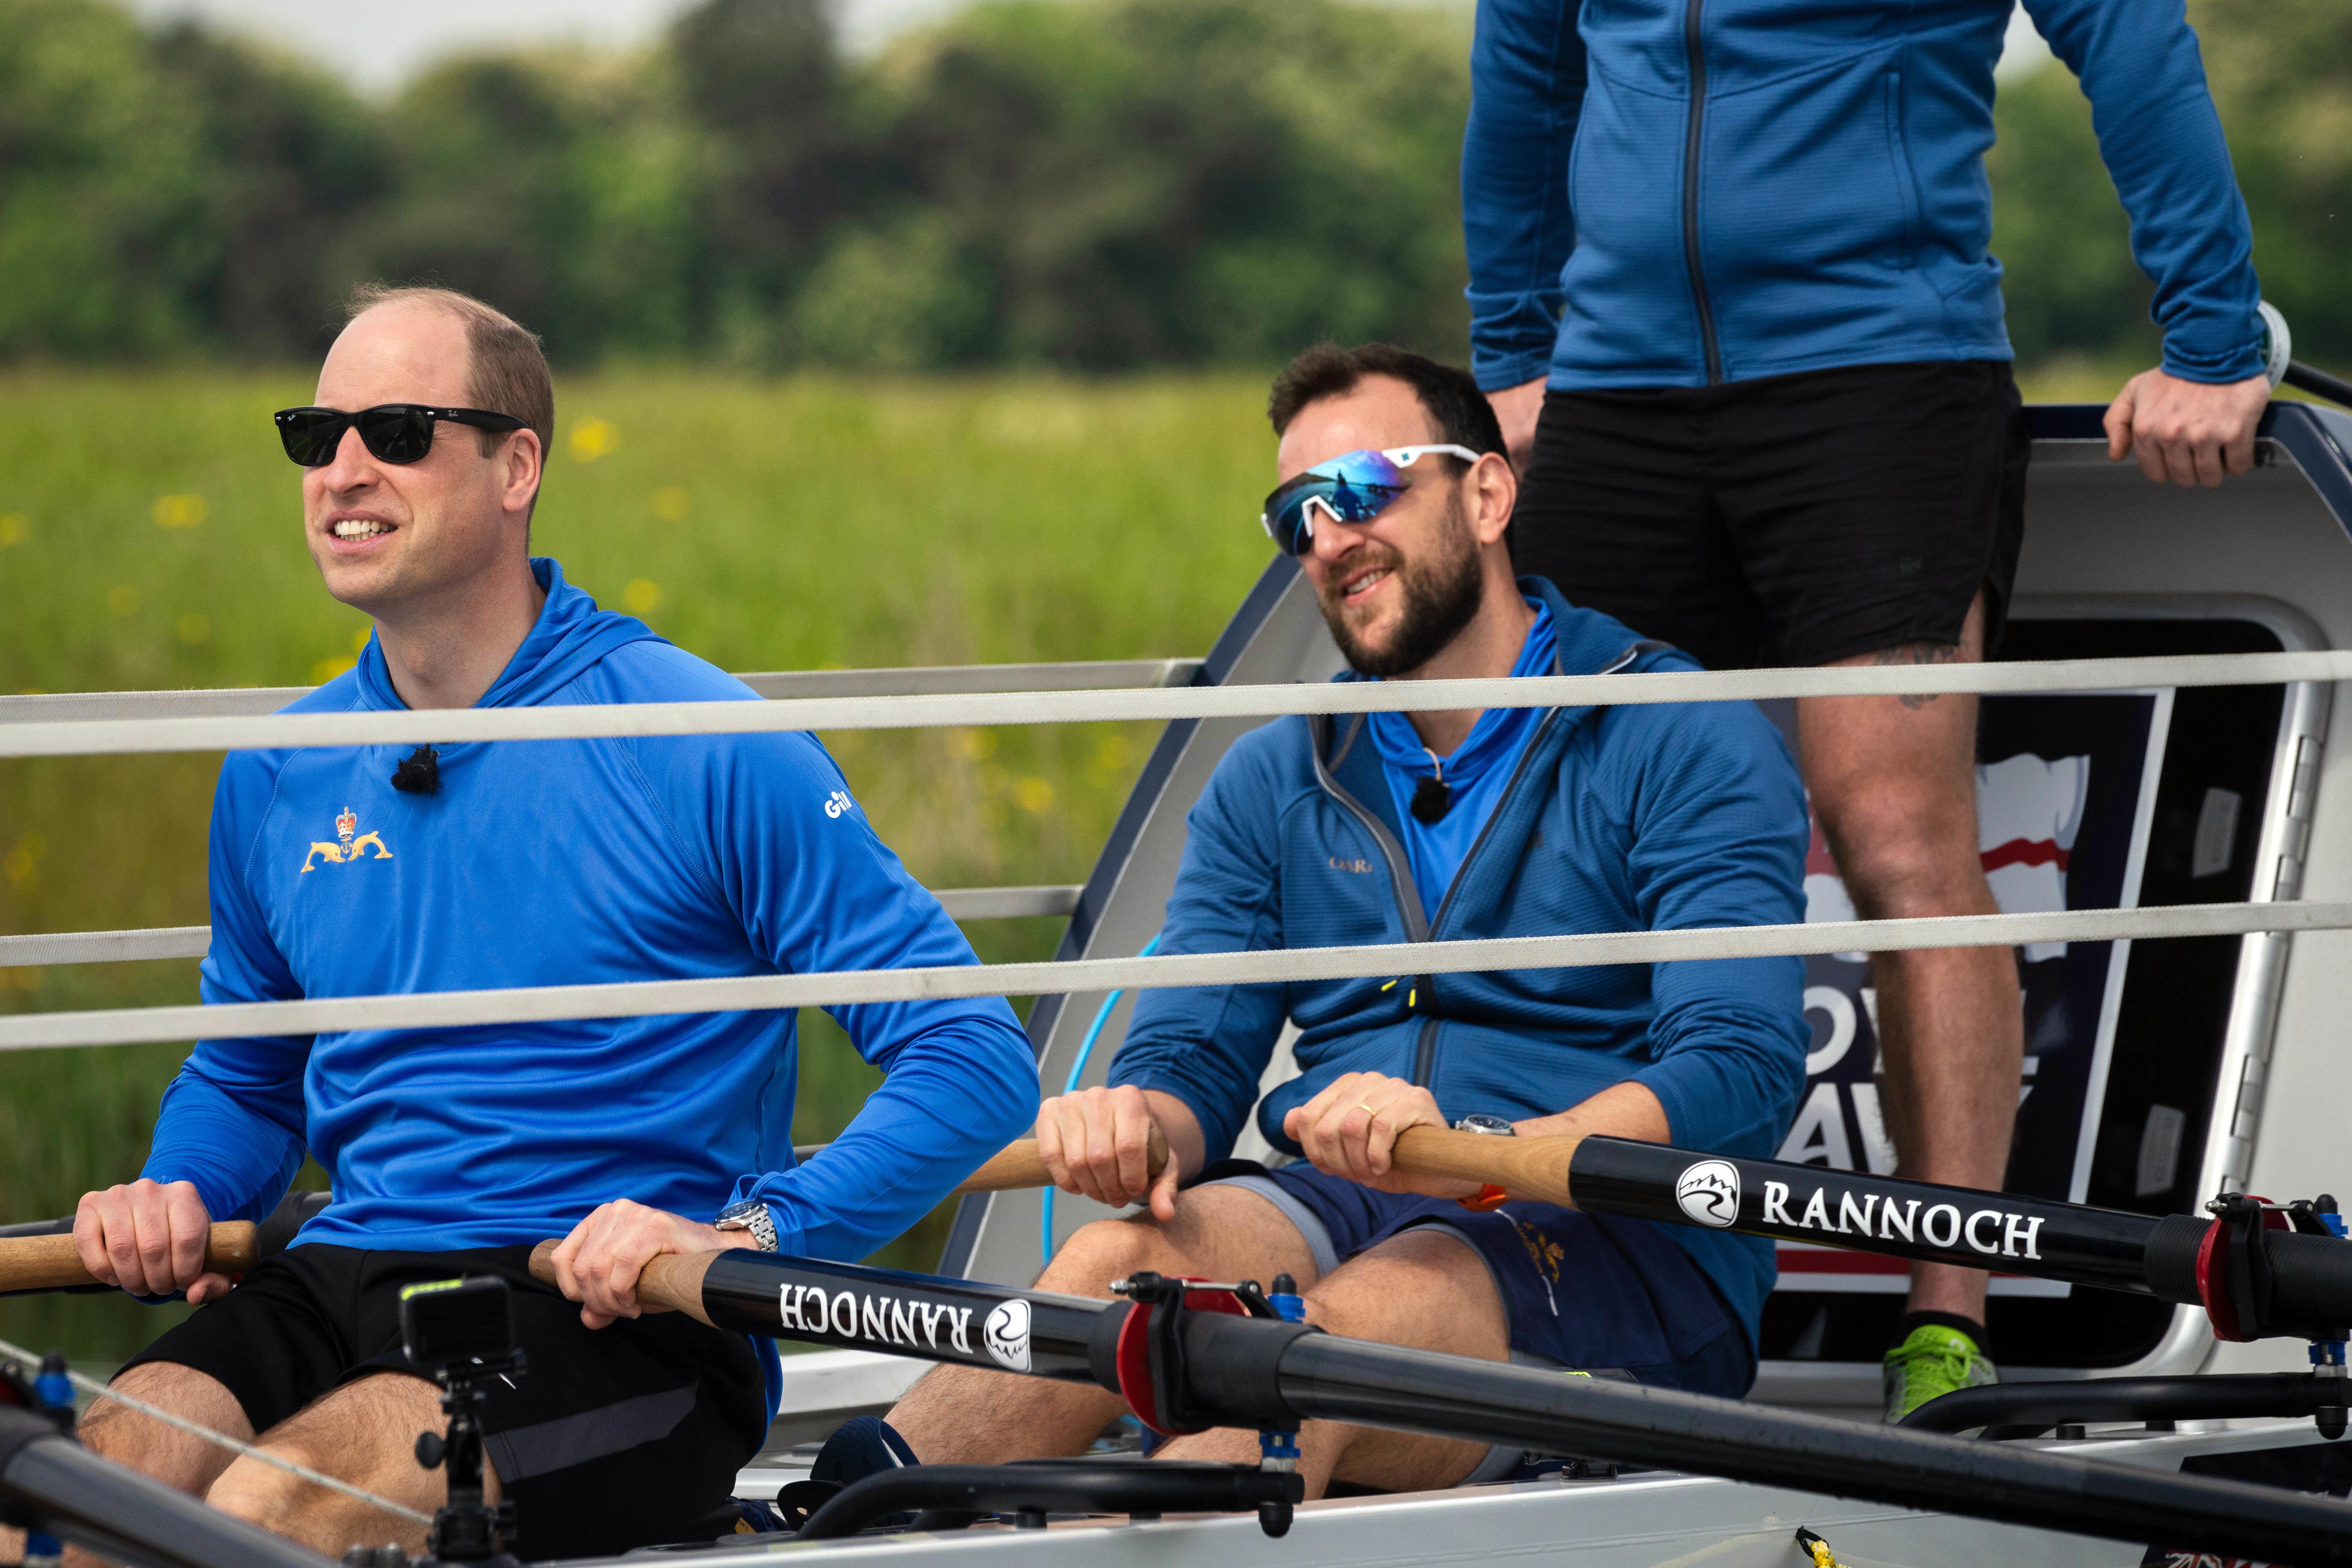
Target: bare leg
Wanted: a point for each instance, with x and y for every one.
(1893, 779)
(1423, 1287)
(364, 1433)
(963, 1415)
(120, 1433)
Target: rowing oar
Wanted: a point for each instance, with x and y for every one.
(53, 1263)
(1205, 1367)
(2284, 1284)
(2251, 1283)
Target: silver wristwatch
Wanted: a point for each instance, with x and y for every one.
(753, 1217)
(1491, 1126)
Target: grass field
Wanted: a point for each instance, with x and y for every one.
(150, 537)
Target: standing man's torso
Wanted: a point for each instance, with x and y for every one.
(1762, 189)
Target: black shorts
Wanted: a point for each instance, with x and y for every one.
(1795, 520)
(610, 1438)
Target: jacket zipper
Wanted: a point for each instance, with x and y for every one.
(1401, 882)
(1426, 1048)
(1696, 50)
(1400, 885)
(1416, 928)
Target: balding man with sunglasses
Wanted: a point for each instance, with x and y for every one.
(360, 871)
(1445, 826)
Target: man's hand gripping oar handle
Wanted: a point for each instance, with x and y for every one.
(52, 1262)
(1534, 1168)
(1528, 1167)
(675, 1279)
(1018, 1165)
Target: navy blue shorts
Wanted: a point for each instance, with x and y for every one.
(1595, 1292)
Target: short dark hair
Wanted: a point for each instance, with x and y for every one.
(506, 370)
(1456, 405)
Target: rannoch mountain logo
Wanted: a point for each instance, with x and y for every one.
(1709, 1192)
(1006, 1334)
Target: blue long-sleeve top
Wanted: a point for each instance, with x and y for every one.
(1623, 819)
(557, 862)
(1825, 203)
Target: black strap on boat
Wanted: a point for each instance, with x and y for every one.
(2030, 1409)
(2318, 383)
(1032, 1490)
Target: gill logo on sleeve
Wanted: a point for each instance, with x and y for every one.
(344, 848)
(839, 804)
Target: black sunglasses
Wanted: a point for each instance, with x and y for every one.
(395, 432)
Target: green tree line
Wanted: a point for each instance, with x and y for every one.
(1094, 184)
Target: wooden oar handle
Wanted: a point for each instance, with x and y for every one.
(1526, 1167)
(1018, 1165)
(671, 1282)
(1530, 1167)
(53, 1262)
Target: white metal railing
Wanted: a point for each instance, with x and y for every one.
(1055, 901)
(914, 681)
(455, 1009)
(1047, 700)
(105, 737)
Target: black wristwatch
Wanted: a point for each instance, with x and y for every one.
(1491, 1126)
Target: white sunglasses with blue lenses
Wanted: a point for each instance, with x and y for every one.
(1353, 488)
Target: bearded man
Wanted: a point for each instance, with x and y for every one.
(1408, 827)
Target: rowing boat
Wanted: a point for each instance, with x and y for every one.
(2162, 1074)
(2206, 1064)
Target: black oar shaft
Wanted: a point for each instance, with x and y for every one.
(1253, 1371)
(1917, 1220)
(1326, 1376)
(1069, 1338)
(2308, 1291)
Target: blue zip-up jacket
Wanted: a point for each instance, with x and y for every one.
(1676, 193)
(1637, 818)
(571, 862)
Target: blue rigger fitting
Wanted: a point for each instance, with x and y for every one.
(1279, 1450)
(1276, 1450)
(54, 1389)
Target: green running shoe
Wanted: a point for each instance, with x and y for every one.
(1933, 1361)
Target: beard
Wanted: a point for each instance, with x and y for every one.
(1441, 592)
